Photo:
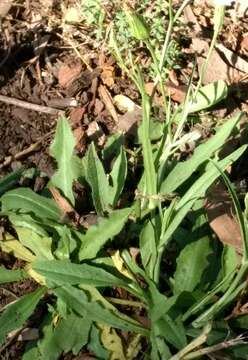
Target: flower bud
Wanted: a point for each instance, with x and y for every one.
(138, 27)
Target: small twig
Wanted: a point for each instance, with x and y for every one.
(29, 106)
(108, 102)
(239, 340)
(26, 151)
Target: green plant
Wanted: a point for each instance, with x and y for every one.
(103, 15)
(78, 267)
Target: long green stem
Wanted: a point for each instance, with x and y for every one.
(225, 299)
(149, 166)
(209, 297)
(164, 52)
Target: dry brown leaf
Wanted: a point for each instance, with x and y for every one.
(68, 74)
(233, 59)
(217, 68)
(177, 93)
(190, 19)
(157, 98)
(221, 217)
(173, 77)
(64, 205)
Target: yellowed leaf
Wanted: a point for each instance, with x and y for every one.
(12, 246)
(134, 347)
(37, 277)
(119, 264)
(112, 342)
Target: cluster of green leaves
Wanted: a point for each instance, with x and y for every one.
(77, 268)
(103, 15)
(73, 264)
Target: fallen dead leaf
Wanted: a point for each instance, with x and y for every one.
(83, 81)
(177, 93)
(223, 64)
(157, 98)
(217, 68)
(93, 90)
(67, 74)
(221, 217)
(173, 77)
(233, 59)
(191, 20)
(64, 205)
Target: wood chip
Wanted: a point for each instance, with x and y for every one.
(67, 74)
(108, 102)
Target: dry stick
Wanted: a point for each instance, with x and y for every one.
(33, 147)
(29, 106)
